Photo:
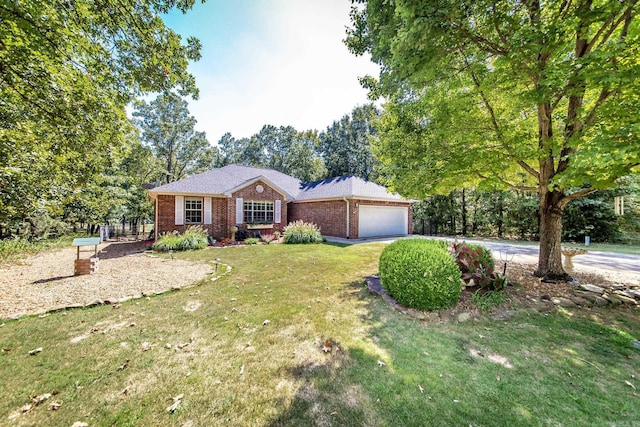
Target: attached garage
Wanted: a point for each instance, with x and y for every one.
(380, 221)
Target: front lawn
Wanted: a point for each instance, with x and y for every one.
(292, 337)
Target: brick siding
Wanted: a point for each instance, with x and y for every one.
(167, 217)
(331, 215)
(223, 211)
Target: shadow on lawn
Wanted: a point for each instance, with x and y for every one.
(352, 387)
(325, 398)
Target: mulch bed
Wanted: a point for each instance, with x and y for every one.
(525, 290)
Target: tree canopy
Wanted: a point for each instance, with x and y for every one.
(542, 96)
(345, 145)
(169, 130)
(67, 71)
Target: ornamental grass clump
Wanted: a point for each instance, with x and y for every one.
(420, 274)
(195, 237)
(302, 232)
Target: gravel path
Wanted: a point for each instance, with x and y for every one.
(46, 282)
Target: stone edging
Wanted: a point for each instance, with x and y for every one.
(145, 294)
(584, 295)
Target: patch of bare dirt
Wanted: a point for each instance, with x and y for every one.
(45, 281)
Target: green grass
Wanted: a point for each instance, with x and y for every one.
(562, 369)
(12, 249)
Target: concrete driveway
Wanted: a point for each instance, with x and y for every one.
(594, 261)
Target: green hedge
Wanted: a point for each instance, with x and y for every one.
(421, 274)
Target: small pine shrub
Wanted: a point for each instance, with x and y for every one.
(302, 232)
(251, 241)
(420, 274)
(195, 237)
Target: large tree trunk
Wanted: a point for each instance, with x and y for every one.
(550, 257)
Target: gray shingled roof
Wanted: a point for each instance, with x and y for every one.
(223, 180)
(345, 186)
(227, 179)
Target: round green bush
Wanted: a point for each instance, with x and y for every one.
(420, 274)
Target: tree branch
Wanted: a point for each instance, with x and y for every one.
(566, 199)
(508, 184)
(613, 23)
(530, 170)
(481, 42)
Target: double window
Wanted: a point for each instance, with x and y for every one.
(193, 210)
(258, 211)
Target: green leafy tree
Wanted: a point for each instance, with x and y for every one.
(484, 91)
(345, 145)
(280, 148)
(67, 71)
(168, 129)
(292, 152)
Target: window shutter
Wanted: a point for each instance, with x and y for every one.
(179, 210)
(278, 212)
(207, 210)
(239, 210)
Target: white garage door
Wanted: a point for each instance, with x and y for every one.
(374, 221)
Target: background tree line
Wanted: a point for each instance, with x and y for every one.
(513, 214)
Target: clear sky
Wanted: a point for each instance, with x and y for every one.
(278, 62)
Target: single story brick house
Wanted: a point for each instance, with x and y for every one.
(266, 200)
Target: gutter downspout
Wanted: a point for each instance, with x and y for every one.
(348, 216)
(155, 221)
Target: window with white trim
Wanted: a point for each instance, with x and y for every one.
(258, 211)
(193, 210)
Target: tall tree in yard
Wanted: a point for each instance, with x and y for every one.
(68, 69)
(541, 96)
(168, 129)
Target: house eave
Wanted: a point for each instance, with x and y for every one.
(373, 199)
(154, 194)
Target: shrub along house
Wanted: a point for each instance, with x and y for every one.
(265, 200)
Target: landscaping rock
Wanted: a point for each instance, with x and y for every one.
(94, 303)
(592, 288)
(583, 302)
(464, 317)
(416, 314)
(625, 293)
(625, 299)
(600, 302)
(612, 299)
(563, 302)
(504, 315)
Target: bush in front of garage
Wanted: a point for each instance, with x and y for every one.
(420, 274)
